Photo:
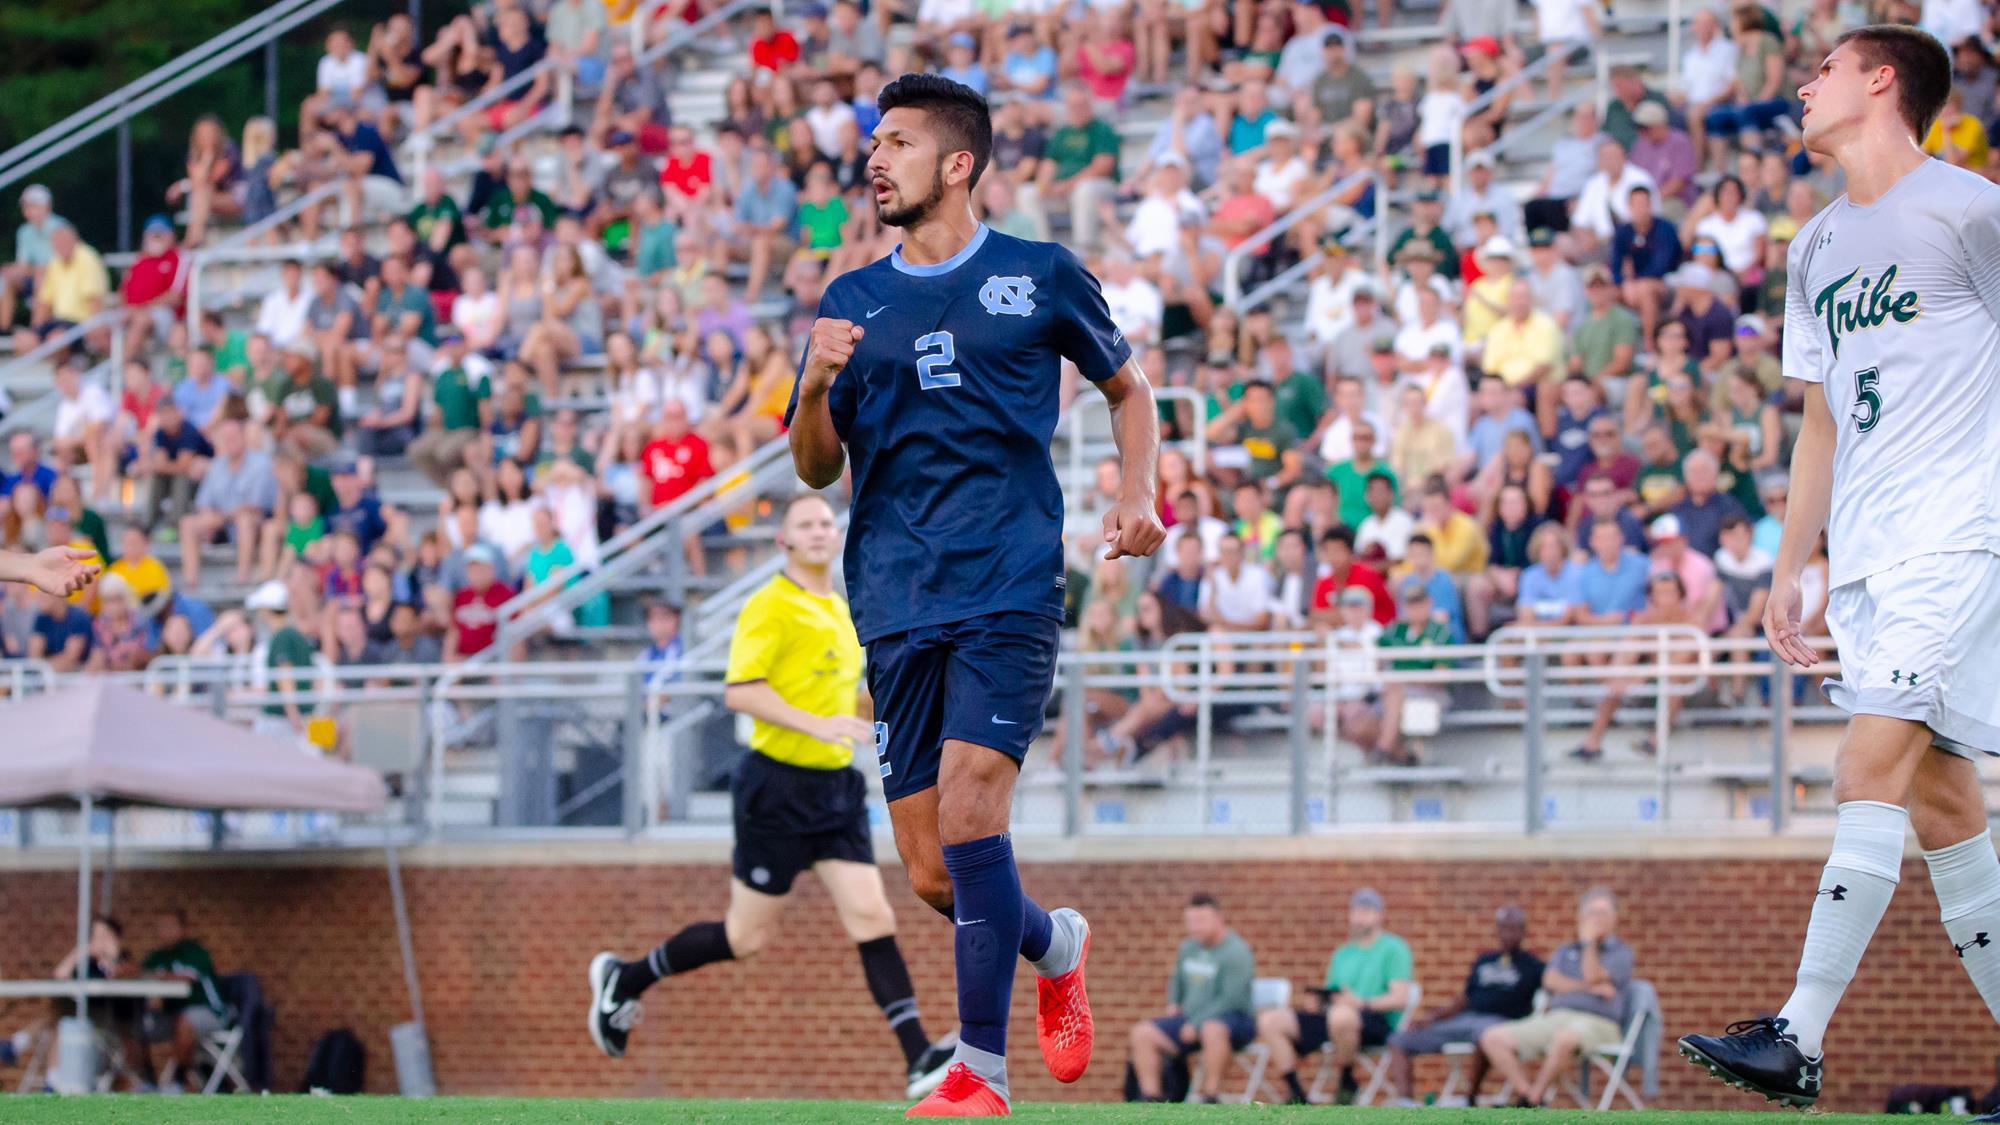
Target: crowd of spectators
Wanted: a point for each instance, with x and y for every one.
(1537, 405)
(1514, 1008)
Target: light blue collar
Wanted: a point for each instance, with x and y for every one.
(941, 268)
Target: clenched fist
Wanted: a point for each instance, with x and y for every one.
(827, 351)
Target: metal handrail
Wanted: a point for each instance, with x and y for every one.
(1519, 78)
(1232, 262)
(128, 101)
(44, 351)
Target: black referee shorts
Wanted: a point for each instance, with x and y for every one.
(790, 817)
(1375, 1030)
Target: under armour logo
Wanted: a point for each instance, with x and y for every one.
(1807, 1079)
(1978, 941)
(1008, 296)
(1838, 892)
(1896, 677)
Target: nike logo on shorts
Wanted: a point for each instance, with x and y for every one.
(998, 721)
(871, 316)
(974, 922)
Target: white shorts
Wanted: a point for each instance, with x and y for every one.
(1917, 641)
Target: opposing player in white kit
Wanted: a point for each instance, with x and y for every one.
(1893, 307)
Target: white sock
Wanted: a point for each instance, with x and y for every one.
(1066, 930)
(1854, 891)
(986, 1065)
(1966, 877)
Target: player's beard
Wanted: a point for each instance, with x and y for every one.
(911, 214)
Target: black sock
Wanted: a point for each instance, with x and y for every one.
(695, 946)
(889, 983)
(1292, 1087)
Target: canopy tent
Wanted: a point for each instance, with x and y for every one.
(92, 742)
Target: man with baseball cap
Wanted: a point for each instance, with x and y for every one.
(31, 251)
(1501, 987)
(1368, 983)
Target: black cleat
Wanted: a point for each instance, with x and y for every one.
(611, 1019)
(1761, 1056)
(1987, 1118)
(928, 1072)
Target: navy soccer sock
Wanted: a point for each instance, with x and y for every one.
(1037, 932)
(986, 888)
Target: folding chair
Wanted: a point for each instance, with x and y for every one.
(1642, 1005)
(1455, 1055)
(1373, 1060)
(1265, 993)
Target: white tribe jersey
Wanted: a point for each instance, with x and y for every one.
(1895, 308)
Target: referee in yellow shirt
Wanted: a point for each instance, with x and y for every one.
(795, 668)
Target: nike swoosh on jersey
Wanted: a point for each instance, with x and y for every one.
(871, 316)
(974, 922)
(998, 721)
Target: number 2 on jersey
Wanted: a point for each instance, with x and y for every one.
(1867, 400)
(928, 361)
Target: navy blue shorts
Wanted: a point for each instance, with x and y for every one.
(1242, 1030)
(983, 680)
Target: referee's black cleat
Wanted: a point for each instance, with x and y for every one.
(1760, 1056)
(930, 1068)
(611, 1018)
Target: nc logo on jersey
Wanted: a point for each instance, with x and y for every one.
(1008, 296)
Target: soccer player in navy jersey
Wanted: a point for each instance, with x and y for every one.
(938, 371)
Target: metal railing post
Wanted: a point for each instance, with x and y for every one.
(1537, 731)
(1300, 733)
(1603, 59)
(1381, 225)
(1073, 705)
(1673, 43)
(271, 80)
(636, 731)
(1661, 728)
(124, 184)
(1781, 732)
(1204, 725)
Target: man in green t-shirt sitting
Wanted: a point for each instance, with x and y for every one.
(462, 406)
(181, 957)
(1367, 988)
(1208, 1005)
(1418, 624)
(1081, 162)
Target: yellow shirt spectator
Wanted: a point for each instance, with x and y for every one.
(1459, 544)
(1967, 135)
(1485, 300)
(1516, 349)
(802, 645)
(74, 289)
(147, 577)
(1417, 450)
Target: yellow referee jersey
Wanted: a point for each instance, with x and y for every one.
(804, 646)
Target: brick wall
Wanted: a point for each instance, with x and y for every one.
(502, 950)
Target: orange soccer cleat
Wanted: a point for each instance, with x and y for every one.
(1062, 1018)
(961, 1094)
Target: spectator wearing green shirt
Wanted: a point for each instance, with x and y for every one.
(822, 215)
(229, 347)
(1418, 624)
(1301, 392)
(403, 311)
(1605, 341)
(180, 957)
(1368, 982)
(653, 253)
(462, 408)
(285, 647)
(1350, 477)
(517, 192)
(1080, 162)
(305, 407)
(436, 218)
(1208, 1004)
(1252, 424)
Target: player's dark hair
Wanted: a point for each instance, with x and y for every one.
(1338, 533)
(1203, 898)
(959, 117)
(1922, 66)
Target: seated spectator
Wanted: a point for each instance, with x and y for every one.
(239, 490)
(1500, 989)
(288, 647)
(1499, 414)
(1745, 574)
(1524, 348)
(391, 425)
(184, 1021)
(281, 316)
(1368, 981)
(70, 288)
(28, 466)
(84, 423)
(62, 634)
(1667, 603)
(1958, 137)
(1338, 571)
(1672, 555)
(1605, 341)
(305, 408)
(1551, 590)
(1236, 593)
(1507, 554)
(1658, 483)
(1666, 154)
(1181, 583)
(1703, 510)
(1755, 97)
(1422, 623)
(1256, 524)
(1460, 542)
(1385, 533)
(1208, 1005)
(475, 618)
(1604, 502)
(1645, 257)
(31, 252)
(1351, 477)
(1582, 407)
(1606, 199)
(1613, 579)
(1586, 981)
(1421, 445)
(154, 288)
(460, 411)
(1773, 491)
(1420, 568)
(1082, 166)
(141, 571)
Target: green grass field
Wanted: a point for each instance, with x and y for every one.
(507, 1111)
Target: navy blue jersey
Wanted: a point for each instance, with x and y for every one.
(946, 409)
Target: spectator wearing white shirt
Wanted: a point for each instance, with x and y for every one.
(829, 120)
(281, 316)
(82, 430)
(1558, 287)
(1606, 199)
(1189, 519)
(1282, 172)
(340, 79)
(1336, 440)
(1429, 328)
(1385, 533)
(1708, 69)
(1134, 302)
(1419, 261)
(1298, 573)
(1236, 594)
(1564, 26)
(1336, 278)
(1155, 227)
(1482, 194)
